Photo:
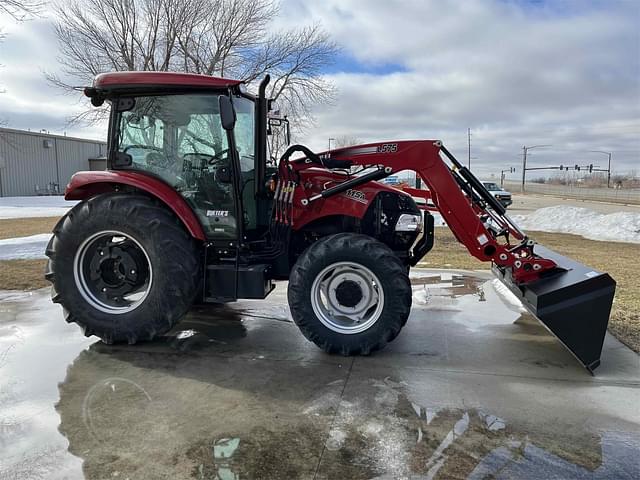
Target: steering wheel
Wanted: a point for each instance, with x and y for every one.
(212, 159)
(143, 147)
(221, 155)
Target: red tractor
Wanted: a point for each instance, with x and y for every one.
(193, 208)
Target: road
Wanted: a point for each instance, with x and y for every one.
(523, 204)
(473, 387)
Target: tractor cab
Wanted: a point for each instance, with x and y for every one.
(175, 132)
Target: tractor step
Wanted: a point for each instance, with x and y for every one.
(224, 283)
(573, 303)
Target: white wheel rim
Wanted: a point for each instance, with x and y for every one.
(347, 297)
(87, 286)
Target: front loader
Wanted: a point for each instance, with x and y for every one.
(193, 209)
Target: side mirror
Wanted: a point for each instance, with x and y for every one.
(227, 113)
(277, 121)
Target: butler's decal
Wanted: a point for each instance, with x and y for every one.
(217, 213)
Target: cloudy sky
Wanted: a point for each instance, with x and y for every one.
(517, 72)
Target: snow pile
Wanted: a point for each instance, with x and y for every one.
(24, 247)
(28, 207)
(615, 227)
(438, 221)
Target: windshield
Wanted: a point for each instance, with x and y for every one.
(492, 187)
(163, 130)
(180, 139)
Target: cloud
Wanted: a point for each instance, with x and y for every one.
(517, 72)
(514, 72)
(28, 101)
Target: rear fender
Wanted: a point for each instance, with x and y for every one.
(84, 185)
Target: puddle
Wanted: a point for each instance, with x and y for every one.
(417, 442)
(441, 291)
(489, 300)
(70, 407)
(35, 351)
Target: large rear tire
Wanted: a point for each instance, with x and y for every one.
(123, 267)
(349, 294)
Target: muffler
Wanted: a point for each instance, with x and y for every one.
(573, 303)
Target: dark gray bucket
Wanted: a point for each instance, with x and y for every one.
(574, 303)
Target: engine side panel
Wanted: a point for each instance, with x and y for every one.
(352, 203)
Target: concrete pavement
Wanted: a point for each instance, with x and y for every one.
(473, 387)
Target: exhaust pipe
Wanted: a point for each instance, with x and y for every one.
(573, 303)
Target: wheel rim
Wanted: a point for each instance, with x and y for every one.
(347, 297)
(113, 272)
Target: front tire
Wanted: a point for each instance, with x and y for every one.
(123, 267)
(349, 294)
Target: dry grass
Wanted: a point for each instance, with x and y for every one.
(617, 259)
(23, 227)
(22, 274)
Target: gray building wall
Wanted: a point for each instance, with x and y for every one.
(27, 164)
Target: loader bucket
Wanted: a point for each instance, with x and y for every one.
(573, 303)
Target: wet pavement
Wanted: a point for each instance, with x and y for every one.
(472, 388)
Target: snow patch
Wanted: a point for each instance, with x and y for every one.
(438, 221)
(18, 248)
(615, 227)
(29, 207)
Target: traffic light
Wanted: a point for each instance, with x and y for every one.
(591, 168)
(560, 167)
(576, 167)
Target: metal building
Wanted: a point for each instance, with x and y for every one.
(33, 163)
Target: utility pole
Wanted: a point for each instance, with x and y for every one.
(469, 143)
(524, 167)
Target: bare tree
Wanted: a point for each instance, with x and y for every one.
(227, 38)
(347, 141)
(21, 9)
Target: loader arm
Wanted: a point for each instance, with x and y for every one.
(476, 219)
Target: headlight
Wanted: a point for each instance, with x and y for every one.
(409, 222)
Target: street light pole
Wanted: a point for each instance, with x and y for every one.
(524, 162)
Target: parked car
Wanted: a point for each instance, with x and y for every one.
(502, 195)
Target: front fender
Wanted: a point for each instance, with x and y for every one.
(84, 185)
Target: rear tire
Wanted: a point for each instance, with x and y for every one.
(337, 264)
(149, 280)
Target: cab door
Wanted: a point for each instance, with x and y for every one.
(179, 138)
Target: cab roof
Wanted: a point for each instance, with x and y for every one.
(115, 80)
